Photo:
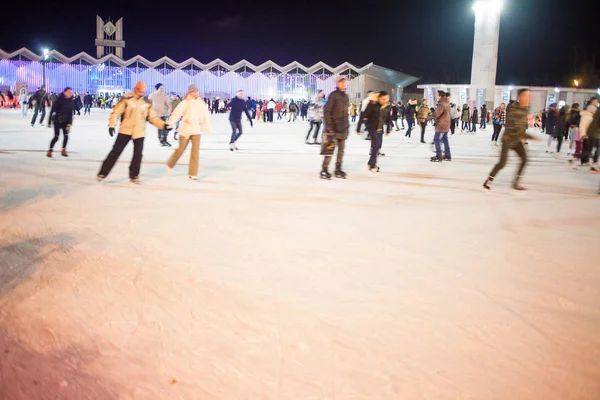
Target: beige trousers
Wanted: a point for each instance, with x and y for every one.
(194, 155)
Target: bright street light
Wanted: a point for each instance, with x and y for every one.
(45, 52)
(488, 7)
(557, 90)
(576, 82)
(510, 88)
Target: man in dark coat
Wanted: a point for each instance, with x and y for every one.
(336, 129)
(61, 114)
(41, 100)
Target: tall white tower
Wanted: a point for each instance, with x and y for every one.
(485, 51)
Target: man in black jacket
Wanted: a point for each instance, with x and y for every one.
(41, 99)
(87, 102)
(238, 106)
(336, 129)
(61, 114)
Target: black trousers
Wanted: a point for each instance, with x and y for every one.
(588, 146)
(163, 133)
(57, 129)
(236, 131)
(270, 115)
(317, 126)
(519, 149)
(559, 139)
(38, 108)
(376, 141)
(423, 126)
(115, 153)
(496, 134)
(452, 126)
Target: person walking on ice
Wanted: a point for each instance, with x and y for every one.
(336, 129)
(195, 121)
(133, 110)
(238, 106)
(515, 132)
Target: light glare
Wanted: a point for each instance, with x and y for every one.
(488, 6)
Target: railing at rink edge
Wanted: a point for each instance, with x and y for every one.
(110, 78)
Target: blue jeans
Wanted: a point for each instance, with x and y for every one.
(235, 126)
(411, 123)
(441, 137)
(24, 109)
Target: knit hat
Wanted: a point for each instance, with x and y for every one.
(591, 108)
(340, 78)
(158, 85)
(192, 88)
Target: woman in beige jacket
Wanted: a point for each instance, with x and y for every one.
(193, 112)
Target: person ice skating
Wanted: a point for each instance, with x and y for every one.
(377, 120)
(315, 116)
(551, 120)
(474, 119)
(483, 118)
(423, 116)
(561, 127)
(193, 112)
(465, 118)
(515, 132)
(591, 141)
(499, 122)
(238, 106)
(175, 101)
(40, 98)
(336, 129)
(454, 115)
(23, 96)
(133, 110)
(293, 111)
(162, 106)
(61, 114)
(441, 116)
(411, 109)
(270, 110)
(573, 127)
(87, 103)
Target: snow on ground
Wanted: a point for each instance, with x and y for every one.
(261, 281)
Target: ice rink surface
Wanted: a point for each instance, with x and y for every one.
(261, 281)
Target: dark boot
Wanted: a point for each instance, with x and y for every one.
(516, 185)
(488, 183)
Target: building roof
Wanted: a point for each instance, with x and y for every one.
(387, 75)
(390, 76)
(515, 87)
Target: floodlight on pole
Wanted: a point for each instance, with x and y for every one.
(557, 90)
(45, 53)
(44, 59)
(576, 83)
(510, 88)
(488, 6)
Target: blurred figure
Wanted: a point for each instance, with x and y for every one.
(515, 133)
(465, 118)
(483, 118)
(573, 127)
(474, 120)
(23, 97)
(87, 103)
(162, 106)
(238, 106)
(499, 122)
(591, 141)
(61, 114)
(551, 121)
(175, 101)
(411, 110)
(561, 127)
(316, 116)
(40, 100)
(453, 117)
(423, 116)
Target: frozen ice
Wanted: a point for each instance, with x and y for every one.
(261, 281)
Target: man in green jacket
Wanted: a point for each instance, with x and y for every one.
(515, 132)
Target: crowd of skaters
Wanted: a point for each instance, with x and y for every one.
(189, 117)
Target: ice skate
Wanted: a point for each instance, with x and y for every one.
(325, 174)
(192, 177)
(516, 185)
(447, 158)
(488, 183)
(169, 170)
(595, 168)
(64, 153)
(231, 147)
(135, 180)
(374, 169)
(100, 178)
(49, 154)
(436, 159)
(340, 174)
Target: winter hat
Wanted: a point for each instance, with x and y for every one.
(192, 88)
(158, 85)
(591, 108)
(340, 78)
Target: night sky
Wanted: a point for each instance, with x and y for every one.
(542, 42)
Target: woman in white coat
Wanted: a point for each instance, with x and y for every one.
(193, 112)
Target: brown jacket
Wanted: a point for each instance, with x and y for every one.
(442, 116)
(134, 112)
